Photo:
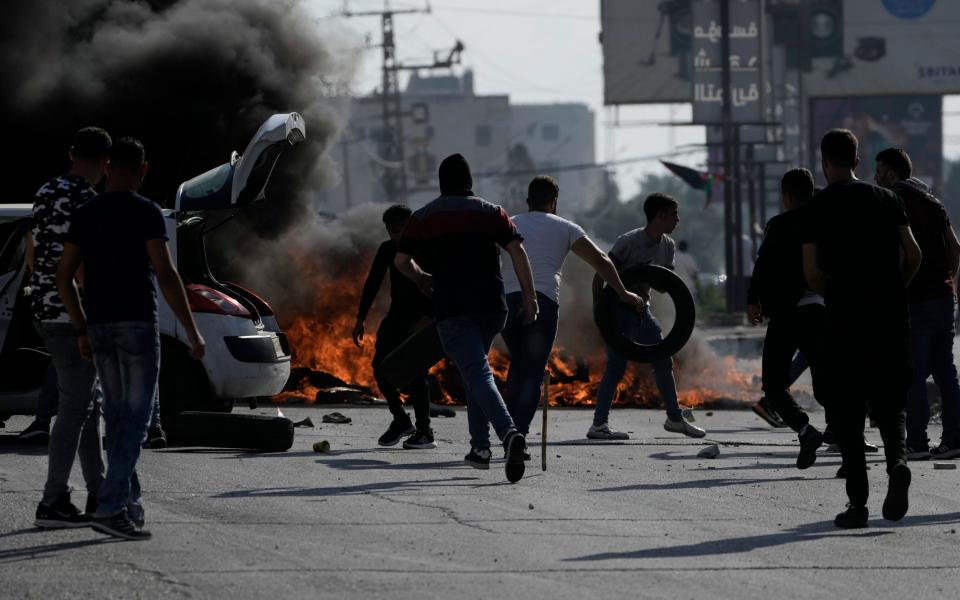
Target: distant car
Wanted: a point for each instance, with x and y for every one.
(247, 354)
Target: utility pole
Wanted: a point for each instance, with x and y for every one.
(393, 175)
(730, 178)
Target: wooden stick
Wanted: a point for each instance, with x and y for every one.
(543, 434)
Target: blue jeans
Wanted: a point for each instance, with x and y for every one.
(642, 328)
(529, 347)
(466, 341)
(127, 355)
(931, 347)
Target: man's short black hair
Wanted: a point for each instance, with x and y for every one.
(657, 203)
(542, 191)
(396, 214)
(839, 148)
(128, 154)
(898, 160)
(798, 184)
(91, 143)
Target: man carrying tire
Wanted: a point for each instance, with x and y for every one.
(120, 238)
(459, 234)
(547, 239)
(408, 305)
(644, 246)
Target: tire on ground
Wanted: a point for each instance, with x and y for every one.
(257, 432)
(663, 280)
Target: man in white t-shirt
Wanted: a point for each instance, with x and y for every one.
(547, 239)
(644, 246)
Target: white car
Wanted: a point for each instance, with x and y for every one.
(247, 354)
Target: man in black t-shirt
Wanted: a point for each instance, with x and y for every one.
(458, 233)
(408, 306)
(120, 238)
(933, 305)
(853, 235)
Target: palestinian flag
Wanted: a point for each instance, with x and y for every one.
(698, 180)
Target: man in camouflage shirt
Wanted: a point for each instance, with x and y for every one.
(78, 423)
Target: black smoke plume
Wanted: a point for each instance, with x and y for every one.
(193, 79)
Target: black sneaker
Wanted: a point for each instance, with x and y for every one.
(479, 458)
(156, 439)
(60, 515)
(421, 440)
(809, 442)
(896, 503)
(515, 446)
(38, 431)
(766, 412)
(841, 472)
(946, 449)
(398, 430)
(916, 452)
(855, 517)
(120, 526)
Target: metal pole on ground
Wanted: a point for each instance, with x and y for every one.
(543, 433)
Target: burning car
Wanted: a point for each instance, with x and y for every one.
(247, 353)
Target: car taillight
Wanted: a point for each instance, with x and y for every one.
(204, 299)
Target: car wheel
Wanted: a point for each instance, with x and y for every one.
(257, 432)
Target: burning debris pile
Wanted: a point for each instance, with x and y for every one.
(316, 285)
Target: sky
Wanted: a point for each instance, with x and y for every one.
(543, 51)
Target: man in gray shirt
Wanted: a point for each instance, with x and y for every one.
(648, 245)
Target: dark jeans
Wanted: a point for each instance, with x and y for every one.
(868, 365)
(392, 332)
(77, 427)
(529, 347)
(127, 355)
(799, 329)
(931, 348)
(466, 341)
(643, 328)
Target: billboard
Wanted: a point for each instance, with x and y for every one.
(914, 123)
(842, 47)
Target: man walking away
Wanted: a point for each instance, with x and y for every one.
(547, 240)
(459, 234)
(779, 292)
(77, 426)
(120, 238)
(408, 305)
(854, 234)
(644, 246)
(933, 305)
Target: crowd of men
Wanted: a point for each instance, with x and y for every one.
(858, 278)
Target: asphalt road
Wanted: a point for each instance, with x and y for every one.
(645, 518)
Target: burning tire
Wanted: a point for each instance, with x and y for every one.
(257, 432)
(663, 280)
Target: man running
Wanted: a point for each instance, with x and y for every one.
(408, 305)
(644, 246)
(859, 253)
(547, 239)
(459, 234)
(933, 305)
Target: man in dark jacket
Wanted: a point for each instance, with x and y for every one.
(779, 292)
(932, 300)
(408, 305)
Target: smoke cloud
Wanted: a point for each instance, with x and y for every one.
(193, 79)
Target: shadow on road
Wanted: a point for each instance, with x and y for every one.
(44, 550)
(803, 533)
(701, 484)
(9, 444)
(350, 490)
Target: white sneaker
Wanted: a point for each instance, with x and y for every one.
(685, 427)
(603, 432)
